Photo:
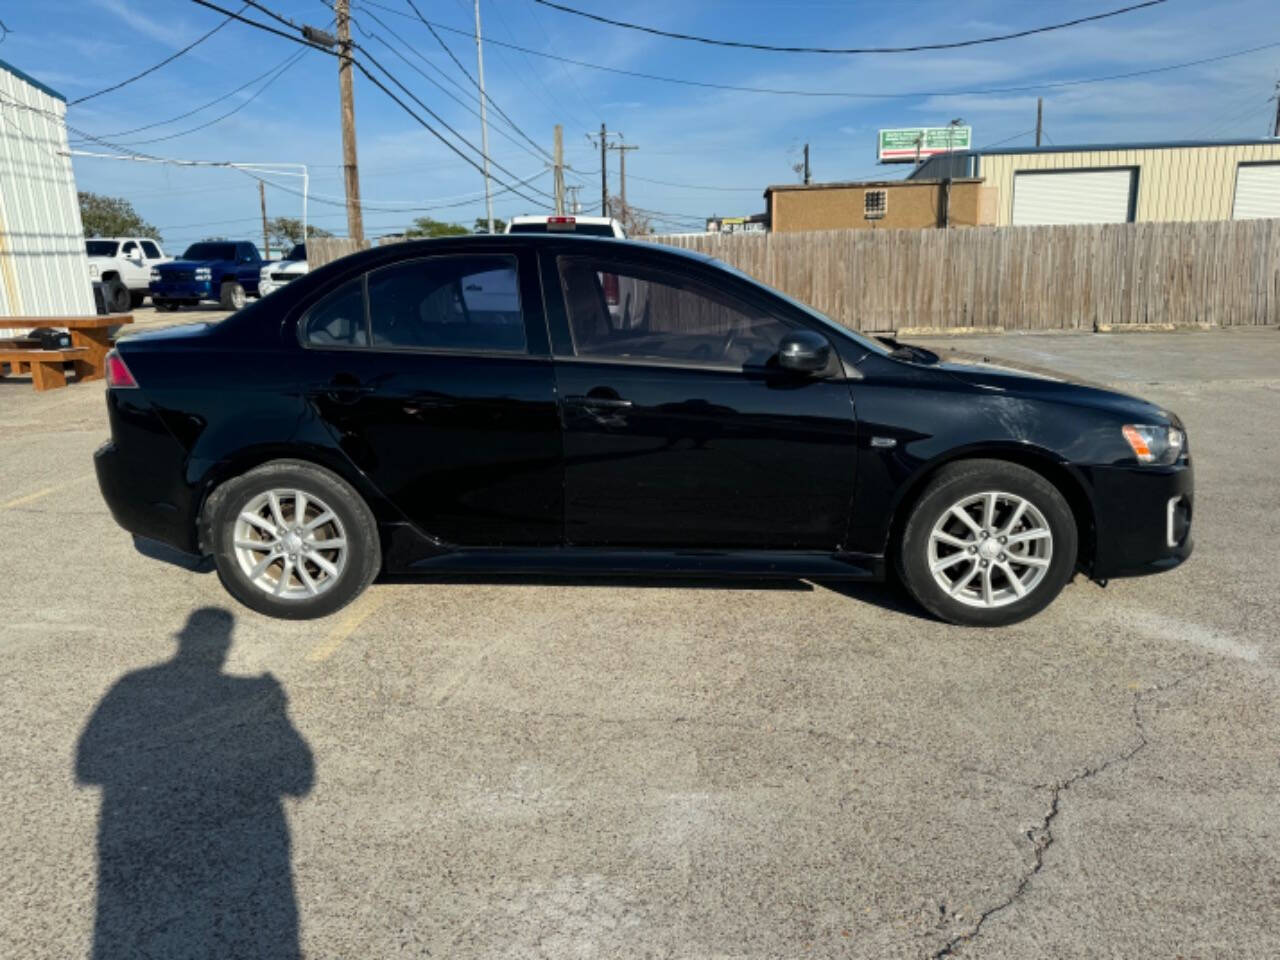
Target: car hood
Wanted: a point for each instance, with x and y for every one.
(286, 266)
(1004, 376)
(189, 264)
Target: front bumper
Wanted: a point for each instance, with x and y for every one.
(183, 290)
(1142, 519)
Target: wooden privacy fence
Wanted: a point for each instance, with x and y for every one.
(1224, 273)
(322, 250)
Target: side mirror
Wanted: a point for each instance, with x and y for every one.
(804, 351)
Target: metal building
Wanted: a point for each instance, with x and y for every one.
(1119, 183)
(43, 268)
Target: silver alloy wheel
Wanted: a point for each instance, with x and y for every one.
(990, 549)
(238, 298)
(290, 544)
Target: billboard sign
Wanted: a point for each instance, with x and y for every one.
(903, 145)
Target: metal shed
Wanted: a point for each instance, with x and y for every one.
(43, 268)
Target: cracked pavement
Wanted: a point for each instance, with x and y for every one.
(578, 769)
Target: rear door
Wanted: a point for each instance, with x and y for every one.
(433, 374)
(680, 430)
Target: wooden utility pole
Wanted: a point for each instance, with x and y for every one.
(559, 170)
(350, 170)
(266, 236)
(604, 171)
(1039, 118)
(622, 149)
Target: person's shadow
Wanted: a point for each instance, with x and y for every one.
(193, 847)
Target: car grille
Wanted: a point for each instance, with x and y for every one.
(177, 275)
(283, 277)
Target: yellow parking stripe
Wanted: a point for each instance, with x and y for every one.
(32, 497)
(356, 615)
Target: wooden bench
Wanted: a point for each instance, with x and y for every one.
(45, 366)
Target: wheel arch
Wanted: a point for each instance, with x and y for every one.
(1068, 482)
(110, 275)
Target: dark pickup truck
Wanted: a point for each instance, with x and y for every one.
(222, 270)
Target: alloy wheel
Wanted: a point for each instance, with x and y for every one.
(990, 549)
(290, 544)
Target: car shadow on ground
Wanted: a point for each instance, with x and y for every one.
(193, 846)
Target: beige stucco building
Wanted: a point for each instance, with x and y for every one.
(1119, 183)
(876, 204)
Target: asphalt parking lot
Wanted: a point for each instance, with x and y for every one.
(578, 769)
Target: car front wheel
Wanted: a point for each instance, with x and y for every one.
(232, 296)
(989, 543)
(292, 540)
(117, 296)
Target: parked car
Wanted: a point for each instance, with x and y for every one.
(220, 270)
(582, 226)
(275, 275)
(468, 405)
(123, 266)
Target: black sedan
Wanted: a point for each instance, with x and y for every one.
(531, 404)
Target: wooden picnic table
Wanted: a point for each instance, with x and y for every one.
(90, 339)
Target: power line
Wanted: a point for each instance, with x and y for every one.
(369, 76)
(153, 69)
(851, 95)
(695, 186)
(916, 48)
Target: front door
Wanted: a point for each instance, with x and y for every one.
(439, 395)
(680, 431)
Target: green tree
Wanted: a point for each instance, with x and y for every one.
(426, 227)
(482, 225)
(104, 216)
(286, 231)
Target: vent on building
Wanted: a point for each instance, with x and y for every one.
(875, 203)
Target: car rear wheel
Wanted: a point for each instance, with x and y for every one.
(116, 295)
(292, 540)
(989, 543)
(232, 296)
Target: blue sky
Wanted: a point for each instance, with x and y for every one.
(734, 142)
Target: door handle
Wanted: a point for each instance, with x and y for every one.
(601, 403)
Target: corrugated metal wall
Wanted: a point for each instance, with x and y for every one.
(43, 268)
(1174, 184)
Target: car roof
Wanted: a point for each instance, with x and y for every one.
(544, 217)
(564, 241)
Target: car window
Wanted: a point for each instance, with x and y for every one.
(151, 250)
(452, 303)
(210, 251)
(130, 249)
(100, 248)
(338, 320)
(638, 314)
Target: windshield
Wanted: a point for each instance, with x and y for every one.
(101, 248)
(299, 252)
(862, 341)
(210, 251)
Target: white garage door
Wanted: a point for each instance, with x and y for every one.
(1257, 191)
(1084, 196)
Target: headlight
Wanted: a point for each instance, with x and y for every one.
(93, 269)
(204, 273)
(1155, 444)
(155, 274)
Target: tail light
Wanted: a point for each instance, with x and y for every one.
(562, 223)
(610, 283)
(118, 375)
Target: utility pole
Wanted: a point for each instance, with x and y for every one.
(574, 206)
(266, 237)
(1040, 118)
(484, 122)
(559, 170)
(622, 149)
(1276, 131)
(806, 164)
(350, 170)
(604, 171)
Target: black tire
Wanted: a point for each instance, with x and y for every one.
(116, 295)
(164, 306)
(357, 521)
(951, 485)
(135, 298)
(231, 296)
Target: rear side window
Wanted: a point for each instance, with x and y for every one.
(448, 303)
(338, 320)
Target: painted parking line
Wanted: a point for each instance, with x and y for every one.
(39, 494)
(351, 620)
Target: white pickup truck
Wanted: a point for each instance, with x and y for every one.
(123, 266)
